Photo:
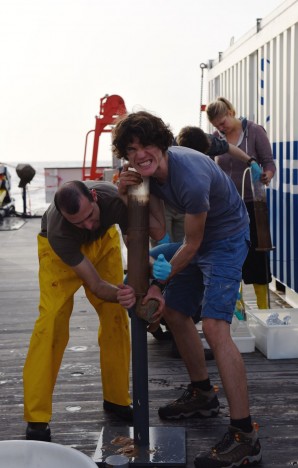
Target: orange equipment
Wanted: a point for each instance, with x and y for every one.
(111, 107)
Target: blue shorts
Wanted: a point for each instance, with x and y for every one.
(211, 279)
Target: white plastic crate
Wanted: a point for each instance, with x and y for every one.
(275, 341)
(241, 334)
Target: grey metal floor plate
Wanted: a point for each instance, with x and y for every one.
(166, 447)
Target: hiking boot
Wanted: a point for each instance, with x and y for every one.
(38, 431)
(123, 412)
(236, 449)
(193, 402)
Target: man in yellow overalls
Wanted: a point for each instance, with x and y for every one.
(79, 245)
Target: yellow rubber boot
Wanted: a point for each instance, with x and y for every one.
(262, 295)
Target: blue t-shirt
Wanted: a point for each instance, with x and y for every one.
(195, 184)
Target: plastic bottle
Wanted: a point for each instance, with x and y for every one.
(259, 191)
(261, 215)
(239, 310)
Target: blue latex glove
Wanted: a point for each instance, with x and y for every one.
(165, 240)
(255, 171)
(161, 268)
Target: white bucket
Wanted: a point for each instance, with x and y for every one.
(35, 454)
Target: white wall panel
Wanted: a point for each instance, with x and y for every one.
(259, 75)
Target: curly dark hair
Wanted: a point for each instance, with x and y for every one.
(149, 129)
(193, 137)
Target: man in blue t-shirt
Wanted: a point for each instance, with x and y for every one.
(205, 269)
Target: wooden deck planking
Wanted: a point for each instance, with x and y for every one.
(272, 383)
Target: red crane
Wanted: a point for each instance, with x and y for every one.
(111, 107)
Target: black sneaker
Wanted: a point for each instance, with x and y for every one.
(193, 402)
(236, 449)
(123, 412)
(38, 431)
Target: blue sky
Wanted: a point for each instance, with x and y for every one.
(59, 57)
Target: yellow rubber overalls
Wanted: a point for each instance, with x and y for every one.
(58, 284)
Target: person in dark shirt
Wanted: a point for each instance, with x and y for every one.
(79, 245)
(197, 139)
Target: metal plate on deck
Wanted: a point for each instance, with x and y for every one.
(11, 223)
(166, 447)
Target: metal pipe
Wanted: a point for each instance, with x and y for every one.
(138, 278)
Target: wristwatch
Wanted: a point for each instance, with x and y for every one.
(157, 283)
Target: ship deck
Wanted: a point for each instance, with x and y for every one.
(78, 416)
